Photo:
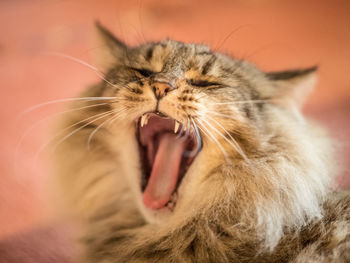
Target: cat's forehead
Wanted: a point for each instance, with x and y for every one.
(174, 55)
(175, 48)
(167, 50)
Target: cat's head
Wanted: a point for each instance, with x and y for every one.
(183, 112)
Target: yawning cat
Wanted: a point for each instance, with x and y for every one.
(183, 154)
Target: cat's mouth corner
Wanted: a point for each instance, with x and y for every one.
(167, 150)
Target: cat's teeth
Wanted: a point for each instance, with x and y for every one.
(176, 128)
(143, 120)
(185, 127)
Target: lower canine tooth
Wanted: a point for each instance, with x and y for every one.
(176, 127)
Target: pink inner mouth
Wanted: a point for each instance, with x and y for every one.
(165, 159)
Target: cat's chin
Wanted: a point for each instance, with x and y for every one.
(167, 149)
(161, 214)
(156, 216)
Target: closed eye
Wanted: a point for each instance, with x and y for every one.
(144, 72)
(202, 83)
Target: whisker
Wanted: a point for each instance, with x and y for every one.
(203, 130)
(73, 59)
(237, 146)
(239, 102)
(190, 153)
(81, 127)
(96, 130)
(123, 110)
(220, 114)
(230, 35)
(188, 128)
(215, 140)
(66, 128)
(36, 157)
(291, 122)
(96, 70)
(62, 100)
(24, 135)
(225, 138)
(198, 137)
(110, 120)
(181, 132)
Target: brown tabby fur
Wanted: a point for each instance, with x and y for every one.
(268, 202)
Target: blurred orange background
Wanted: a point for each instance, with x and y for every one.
(275, 35)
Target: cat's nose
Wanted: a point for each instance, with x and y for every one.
(161, 89)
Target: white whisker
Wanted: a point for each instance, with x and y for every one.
(95, 69)
(83, 126)
(237, 146)
(77, 60)
(180, 132)
(220, 114)
(225, 138)
(198, 137)
(215, 140)
(188, 128)
(25, 134)
(73, 59)
(66, 128)
(203, 130)
(62, 100)
(239, 102)
(96, 130)
(123, 110)
(110, 120)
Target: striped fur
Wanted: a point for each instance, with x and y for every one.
(257, 192)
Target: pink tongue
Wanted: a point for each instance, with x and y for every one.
(165, 171)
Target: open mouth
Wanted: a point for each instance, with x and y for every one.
(167, 149)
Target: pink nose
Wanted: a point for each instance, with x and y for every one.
(161, 89)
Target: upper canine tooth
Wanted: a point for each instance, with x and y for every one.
(143, 120)
(176, 128)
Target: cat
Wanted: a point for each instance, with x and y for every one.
(183, 154)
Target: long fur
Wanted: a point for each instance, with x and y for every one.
(257, 192)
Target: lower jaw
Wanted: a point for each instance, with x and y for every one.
(170, 206)
(156, 216)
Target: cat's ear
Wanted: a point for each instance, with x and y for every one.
(109, 49)
(292, 87)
